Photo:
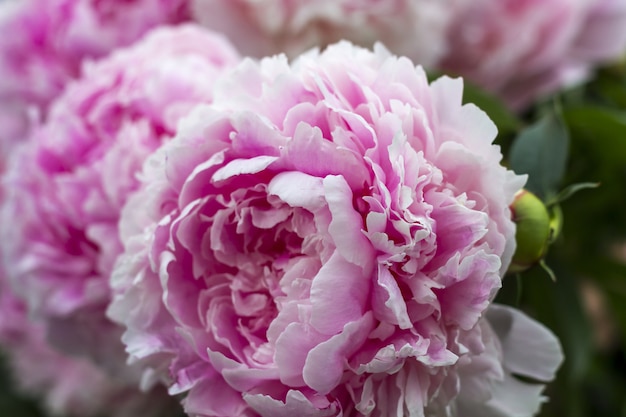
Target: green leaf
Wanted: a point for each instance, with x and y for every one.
(541, 151)
(570, 190)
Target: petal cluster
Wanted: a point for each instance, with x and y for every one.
(323, 240)
(66, 186)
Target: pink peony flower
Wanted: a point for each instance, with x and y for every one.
(66, 186)
(44, 44)
(68, 386)
(323, 240)
(522, 50)
(259, 28)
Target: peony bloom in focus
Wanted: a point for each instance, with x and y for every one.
(66, 186)
(524, 49)
(44, 44)
(324, 240)
(258, 28)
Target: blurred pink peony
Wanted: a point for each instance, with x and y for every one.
(44, 44)
(524, 49)
(258, 28)
(70, 387)
(323, 240)
(66, 186)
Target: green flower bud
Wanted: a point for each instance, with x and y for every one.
(533, 235)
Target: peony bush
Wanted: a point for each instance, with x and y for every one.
(325, 239)
(64, 189)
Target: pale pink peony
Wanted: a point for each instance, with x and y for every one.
(263, 27)
(323, 240)
(525, 49)
(45, 42)
(66, 186)
(69, 387)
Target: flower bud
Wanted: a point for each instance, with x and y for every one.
(533, 233)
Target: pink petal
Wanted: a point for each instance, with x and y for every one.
(296, 404)
(530, 349)
(326, 362)
(346, 227)
(338, 295)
